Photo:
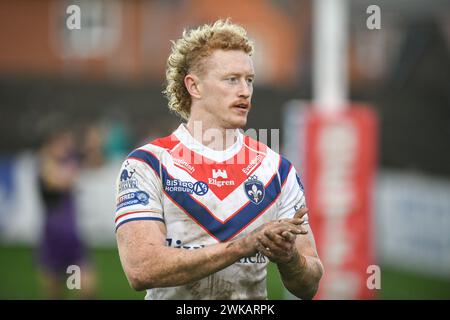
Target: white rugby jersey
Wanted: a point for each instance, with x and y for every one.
(205, 197)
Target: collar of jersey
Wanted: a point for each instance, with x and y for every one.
(188, 140)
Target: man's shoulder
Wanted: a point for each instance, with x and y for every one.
(256, 145)
(281, 161)
(158, 145)
(263, 148)
(151, 153)
(164, 143)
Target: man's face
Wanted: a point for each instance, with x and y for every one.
(226, 88)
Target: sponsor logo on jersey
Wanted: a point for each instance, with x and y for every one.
(178, 244)
(220, 183)
(133, 198)
(258, 258)
(200, 188)
(254, 189)
(219, 173)
(127, 181)
(184, 164)
(254, 162)
(125, 175)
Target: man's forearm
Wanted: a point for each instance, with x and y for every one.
(168, 267)
(301, 276)
(148, 263)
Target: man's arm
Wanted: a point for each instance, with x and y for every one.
(296, 257)
(302, 274)
(149, 263)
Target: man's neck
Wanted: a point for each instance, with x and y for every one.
(212, 135)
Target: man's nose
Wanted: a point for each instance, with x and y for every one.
(245, 90)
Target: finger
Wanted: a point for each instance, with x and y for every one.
(281, 227)
(295, 229)
(288, 236)
(265, 251)
(274, 255)
(277, 239)
(303, 230)
(301, 212)
(284, 240)
(274, 248)
(297, 221)
(267, 244)
(299, 229)
(294, 220)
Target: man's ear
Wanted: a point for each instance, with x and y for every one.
(191, 81)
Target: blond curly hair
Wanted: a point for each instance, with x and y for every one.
(188, 53)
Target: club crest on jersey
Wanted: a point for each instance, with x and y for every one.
(254, 189)
(127, 181)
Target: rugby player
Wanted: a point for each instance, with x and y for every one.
(201, 212)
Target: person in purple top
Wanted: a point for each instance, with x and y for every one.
(61, 245)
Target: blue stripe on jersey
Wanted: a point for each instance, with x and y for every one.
(283, 170)
(147, 157)
(142, 218)
(222, 231)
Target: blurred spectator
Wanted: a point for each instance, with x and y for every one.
(92, 148)
(117, 141)
(61, 245)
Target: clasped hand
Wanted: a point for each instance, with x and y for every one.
(276, 239)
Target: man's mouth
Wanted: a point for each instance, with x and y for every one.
(242, 106)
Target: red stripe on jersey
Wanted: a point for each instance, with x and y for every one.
(168, 142)
(125, 214)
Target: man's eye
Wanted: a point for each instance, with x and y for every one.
(232, 80)
(250, 80)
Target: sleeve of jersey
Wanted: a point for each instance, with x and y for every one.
(292, 196)
(138, 193)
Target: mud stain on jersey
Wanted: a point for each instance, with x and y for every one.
(255, 288)
(219, 288)
(195, 290)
